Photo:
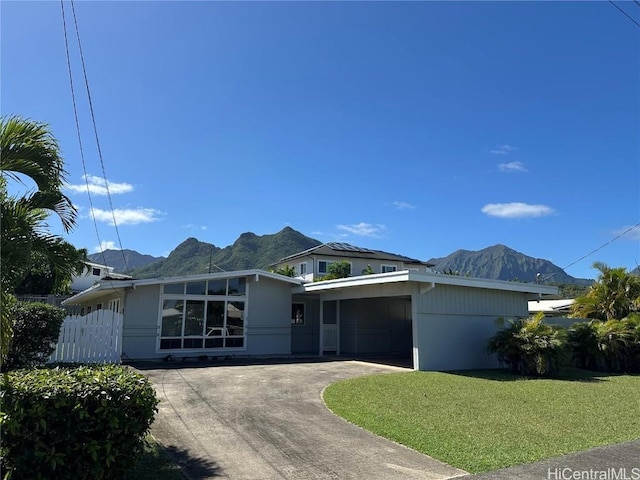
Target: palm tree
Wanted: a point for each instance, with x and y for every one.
(615, 295)
(28, 150)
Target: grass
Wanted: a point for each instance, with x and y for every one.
(486, 420)
(154, 465)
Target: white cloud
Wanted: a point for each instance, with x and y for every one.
(105, 245)
(98, 186)
(127, 216)
(503, 149)
(403, 205)
(630, 232)
(512, 167)
(363, 229)
(192, 226)
(516, 210)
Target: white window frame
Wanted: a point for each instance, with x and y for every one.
(302, 268)
(385, 268)
(94, 270)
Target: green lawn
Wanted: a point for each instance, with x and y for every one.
(481, 421)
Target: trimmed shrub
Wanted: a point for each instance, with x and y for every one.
(85, 422)
(530, 346)
(36, 327)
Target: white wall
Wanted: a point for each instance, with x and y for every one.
(140, 327)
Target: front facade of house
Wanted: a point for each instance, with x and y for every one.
(441, 322)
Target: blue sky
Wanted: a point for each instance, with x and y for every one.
(412, 127)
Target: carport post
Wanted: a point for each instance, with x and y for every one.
(321, 348)
(338, 327)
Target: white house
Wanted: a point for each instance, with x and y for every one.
(441, 322)
(93, 273)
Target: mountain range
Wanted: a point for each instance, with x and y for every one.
(252, 251)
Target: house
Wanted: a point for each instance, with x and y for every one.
(314, 263)
(440, 322)
(92, 273)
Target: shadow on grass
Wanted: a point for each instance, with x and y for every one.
(195, 467)
(566, 375)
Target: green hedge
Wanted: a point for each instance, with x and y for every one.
(36, 327)
(84, 422)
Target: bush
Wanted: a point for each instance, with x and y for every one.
(530, 346)
(36, 327)
(611, 346)
(85, 422)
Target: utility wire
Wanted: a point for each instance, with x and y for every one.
(95, 131)
(625, 13)
(636, 2)
(75, 114)
(597, 249)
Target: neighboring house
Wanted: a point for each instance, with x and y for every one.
(93, 273)
(440, 321)
(551, 308)
(314, 263)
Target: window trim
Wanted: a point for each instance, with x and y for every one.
(385, 265)
(94, 270)
(303, 271)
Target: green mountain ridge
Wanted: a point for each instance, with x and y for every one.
(250, 251)
(503, 263)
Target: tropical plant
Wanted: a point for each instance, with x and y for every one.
(529, 346)
(614, 295)
(29, 151)
(338, 270)
(368, 270)
(287, 271)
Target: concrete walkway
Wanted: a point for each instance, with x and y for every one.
(263, 422)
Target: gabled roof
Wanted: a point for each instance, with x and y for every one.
(346, 250)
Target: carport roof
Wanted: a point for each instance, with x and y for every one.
(429, 278)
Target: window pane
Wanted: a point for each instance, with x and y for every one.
(303, 268)
(235, 318)
(172, 318)
(170, 343)
(194, 318)
(215, 319)
(233, 342)
(217, 287)
(322, 266)
(237, 286)
(196, 288)
(213, 342)
(174, 288)
(193, 343)
(297, 313)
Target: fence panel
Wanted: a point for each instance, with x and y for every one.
(93, 338)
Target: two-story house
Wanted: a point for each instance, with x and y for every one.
(313, 264)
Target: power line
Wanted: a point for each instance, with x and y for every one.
(75, 114)
(597, 249)
(95, 131)
(625, 13)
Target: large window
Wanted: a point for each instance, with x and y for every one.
(323, 266)
(388, 268)
(203, 315)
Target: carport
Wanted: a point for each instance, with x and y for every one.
(439, 322)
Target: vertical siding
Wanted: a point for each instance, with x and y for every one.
(454, 324)
(375, 325)
(140, 328)
(268, 317)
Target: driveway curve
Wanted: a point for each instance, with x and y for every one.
(264, 422)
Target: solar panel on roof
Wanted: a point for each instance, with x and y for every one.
(346, 247)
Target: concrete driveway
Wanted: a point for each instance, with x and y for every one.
(268, 421)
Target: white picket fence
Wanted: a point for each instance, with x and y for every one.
(92, 338)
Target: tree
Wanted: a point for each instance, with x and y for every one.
(338, 270)
(614, 295)
(287, 271)
(29, 150)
